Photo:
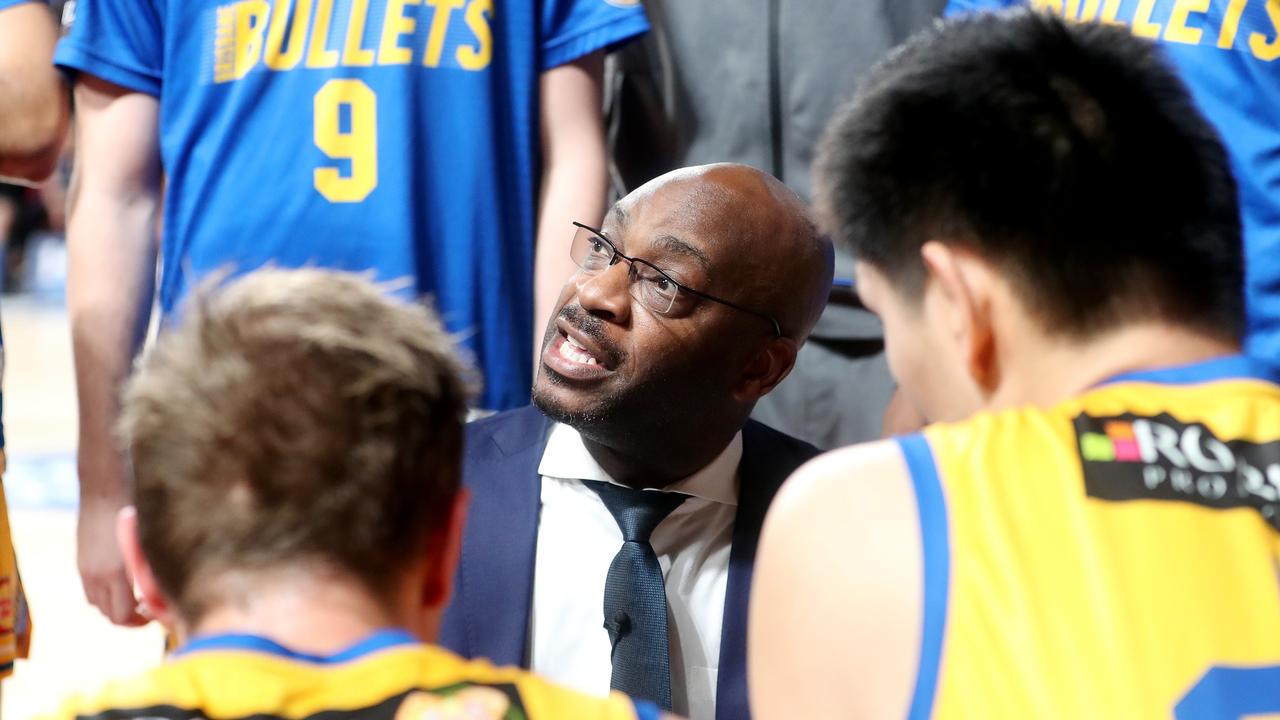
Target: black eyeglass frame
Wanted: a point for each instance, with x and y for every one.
(633, 260)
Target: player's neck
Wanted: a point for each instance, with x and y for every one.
(311, 613)
(1047, 371)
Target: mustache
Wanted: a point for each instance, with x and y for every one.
(593, 327)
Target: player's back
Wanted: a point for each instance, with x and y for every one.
(387, 676)
(1115, 556)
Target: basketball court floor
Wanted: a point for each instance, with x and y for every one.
(74, 647)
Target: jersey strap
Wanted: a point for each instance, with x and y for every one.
(932, 508)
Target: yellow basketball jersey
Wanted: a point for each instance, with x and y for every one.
(1116, 556)
(388, 676)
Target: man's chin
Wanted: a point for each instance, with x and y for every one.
(566, 404)
(556, 401)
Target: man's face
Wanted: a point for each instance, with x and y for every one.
(922, 355)
(608, 357)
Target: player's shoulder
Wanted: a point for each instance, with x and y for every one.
(151, 688)
(426, 679)
(858, 479)
(508, 689)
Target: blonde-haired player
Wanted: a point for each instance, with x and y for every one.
(296, 514)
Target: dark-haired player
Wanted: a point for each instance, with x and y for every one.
(1226, 53)
(1049, 231)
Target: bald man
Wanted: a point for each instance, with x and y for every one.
(613, 524)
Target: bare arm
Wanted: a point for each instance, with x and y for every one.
(574, 175)
(836, 606)
(111, 236)
(33, 97)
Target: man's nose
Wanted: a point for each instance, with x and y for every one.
(607, 294)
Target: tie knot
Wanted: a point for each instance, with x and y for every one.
(638, 512)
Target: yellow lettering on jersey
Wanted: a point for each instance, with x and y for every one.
(439, 28)
(1109, 12)
(353, 53)
(1054, 6)
(1177, 30)
(274, 54)
(1090, 10)
(478, 56)
(237, 44)
(319, 54)
(1231, 24)
(224, 45)
(359, 144)
(394, 25)
(1142, 25)
(1262, 48)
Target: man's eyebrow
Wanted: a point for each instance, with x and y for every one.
(673, 244)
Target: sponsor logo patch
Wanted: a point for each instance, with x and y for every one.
(1127, 457)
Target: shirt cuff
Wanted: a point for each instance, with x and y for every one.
(77, 59)
(567, 49)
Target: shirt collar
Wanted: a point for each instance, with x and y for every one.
(245, 642)
(566, 457)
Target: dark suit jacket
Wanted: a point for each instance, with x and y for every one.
(489, 615)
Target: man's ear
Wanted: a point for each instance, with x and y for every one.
(770, 366)
(444, 551)
(153, 598)
(960, 287)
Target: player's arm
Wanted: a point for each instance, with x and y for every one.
(33, 97)
(574, 174)
(111, 238)
(836, 600)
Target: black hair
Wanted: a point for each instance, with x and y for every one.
(1069, 155)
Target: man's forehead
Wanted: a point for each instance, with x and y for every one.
(681, 207)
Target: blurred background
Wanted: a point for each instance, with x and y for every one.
(73, 646)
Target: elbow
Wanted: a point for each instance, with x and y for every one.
(32, 150)
(34, 166)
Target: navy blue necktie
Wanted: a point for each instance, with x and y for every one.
(635, 595)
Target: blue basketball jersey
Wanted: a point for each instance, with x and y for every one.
(393, 136)
(1226, 51)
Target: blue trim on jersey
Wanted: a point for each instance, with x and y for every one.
(1232, 692)
(611, 34)
(380, 640)
(646, 710)
(1231, 367)
(75, 58)
(8, 4)
(932, 506)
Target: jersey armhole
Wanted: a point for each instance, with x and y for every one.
(932, 509)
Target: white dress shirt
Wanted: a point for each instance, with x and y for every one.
(577, 539)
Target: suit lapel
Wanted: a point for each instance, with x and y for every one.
(496, 575)
(761, 474)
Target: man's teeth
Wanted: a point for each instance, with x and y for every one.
(571, 350)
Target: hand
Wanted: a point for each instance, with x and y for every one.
(107, 585)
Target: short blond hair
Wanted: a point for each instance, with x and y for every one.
(293, 416)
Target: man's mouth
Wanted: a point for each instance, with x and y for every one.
(571, 350)
(575, 354)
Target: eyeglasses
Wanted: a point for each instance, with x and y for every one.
(594, 253)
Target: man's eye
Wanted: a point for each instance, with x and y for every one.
(662, 284)
(598, 247)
